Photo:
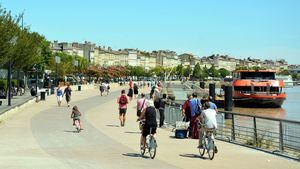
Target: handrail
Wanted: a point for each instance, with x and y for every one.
(272, 135)
(261, 117)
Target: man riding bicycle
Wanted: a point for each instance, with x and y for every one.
(208, 120)
(149, 114)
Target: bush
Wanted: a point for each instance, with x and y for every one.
(3, 85)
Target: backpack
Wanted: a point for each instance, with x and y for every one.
(123, 100)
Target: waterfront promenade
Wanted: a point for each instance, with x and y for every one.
(40, 135)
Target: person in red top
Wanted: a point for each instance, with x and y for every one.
(122, 101)
(131, 84)
(186, 112)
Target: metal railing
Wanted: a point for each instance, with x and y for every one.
(273, 135)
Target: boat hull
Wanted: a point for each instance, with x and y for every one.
(259, 102)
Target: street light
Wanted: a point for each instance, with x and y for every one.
(75, 64)
(57, 61)
(13, 43)
(35, 69)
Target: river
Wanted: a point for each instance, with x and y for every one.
(290, 109)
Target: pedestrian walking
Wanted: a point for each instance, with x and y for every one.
(101, 88)
(59, 95)
(186, 113)
(130, 93)
(135, 90)
(67, 93)
(195, 105)
(107, 88)
(122, 101)
(161, 109)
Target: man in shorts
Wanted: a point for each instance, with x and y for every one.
(149, 114)
(122, 101)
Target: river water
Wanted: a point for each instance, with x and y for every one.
(290, 109)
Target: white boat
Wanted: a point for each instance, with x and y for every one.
(287, 80)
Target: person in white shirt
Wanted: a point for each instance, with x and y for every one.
(208, 118)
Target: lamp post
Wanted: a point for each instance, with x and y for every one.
(12, 42)
(75, 64)
(35, 69)
(57, 61)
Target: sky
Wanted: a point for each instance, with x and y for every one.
(264, 29)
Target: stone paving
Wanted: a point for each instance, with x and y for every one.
(41, 135)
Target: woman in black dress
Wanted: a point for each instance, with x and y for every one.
(130, 93)
(135, 90)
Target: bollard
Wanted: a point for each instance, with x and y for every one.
(52, 89)
(212, 90)
(202, 84)
(43, 95)
(79, 88)
(228, 101)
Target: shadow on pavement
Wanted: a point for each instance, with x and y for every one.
(191, 156)
(132, 132)
(134, 155)
(70, 131)
(112, 125)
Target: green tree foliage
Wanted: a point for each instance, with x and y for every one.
(197, 72)
(187, 71)
(158, 71)
(20, 46)
(296, 76)
(179, 71)
(284, 72)
(137, 71)
(213, 72)
(9, 30)
(223, 72)
(66, 66)
(205, 72)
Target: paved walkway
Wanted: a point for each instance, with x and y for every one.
(15, 101)
(41, 136)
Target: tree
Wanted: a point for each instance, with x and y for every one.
(213, 72)
(205, 72)
(179, 71)
(158, 71)
(197, 72)
(223, 72)
(9, 31)
(284, 72)
(296, 76)
(187, 71)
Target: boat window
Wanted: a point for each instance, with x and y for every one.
(257, 75)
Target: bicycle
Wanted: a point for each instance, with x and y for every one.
(151, 145)
(77, 125)
(208, 142)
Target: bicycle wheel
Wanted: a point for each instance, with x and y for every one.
(210, 148)
(202, 149)
(152, 147)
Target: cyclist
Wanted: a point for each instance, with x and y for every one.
(208, 118)
(149, 114)
(75, 115)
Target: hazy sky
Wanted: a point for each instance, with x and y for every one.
(265, 29)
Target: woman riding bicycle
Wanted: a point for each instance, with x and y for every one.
(149, 114)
